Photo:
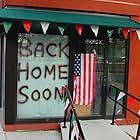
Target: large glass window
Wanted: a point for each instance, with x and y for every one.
(43, 64)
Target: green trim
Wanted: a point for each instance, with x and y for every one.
(66, 17)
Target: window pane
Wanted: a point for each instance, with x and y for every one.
(116, 70)
(42, 70)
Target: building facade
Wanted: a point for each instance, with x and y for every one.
(37, 62)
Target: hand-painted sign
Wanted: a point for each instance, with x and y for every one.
(42, 71)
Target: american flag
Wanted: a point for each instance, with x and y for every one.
(84, 78)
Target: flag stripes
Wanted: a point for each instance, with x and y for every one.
(84, 78)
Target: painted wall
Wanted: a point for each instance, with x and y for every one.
(134, 75)
(104, 6)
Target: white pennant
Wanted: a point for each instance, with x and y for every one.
(95, 29)
(45, 26)
(138, 33)
(66, 104)
(75, 131)
(121, 95)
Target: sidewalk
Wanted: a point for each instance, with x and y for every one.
(130, 129)
(98, 130)
(30, 135)
(2, 134)
(50, 135)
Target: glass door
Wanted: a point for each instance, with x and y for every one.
(110, 69)
(94, 78)
(99, 46)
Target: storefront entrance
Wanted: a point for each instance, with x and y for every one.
(111, 54)
(44, 63)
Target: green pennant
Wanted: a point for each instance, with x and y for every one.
(62, 28)
(65, 99)
(72, 119)
(7, 26)
(113, 90)
(119, 30)
(109, 32)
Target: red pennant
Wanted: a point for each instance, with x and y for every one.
(130, 101)
(63, 89)
(69, 109)
(79, 29)
(27, 25)
(125, 32)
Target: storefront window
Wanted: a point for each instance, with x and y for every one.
(43, 65)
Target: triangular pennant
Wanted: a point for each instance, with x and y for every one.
(113, 90)
(118, 111)
(63, 90)
(75, 131)
(109, 32)
(95, 29)
(125, 32)
(61, 29)
(45, 26)
(27, 25)
(69, 110)
(65, 99)
(121, 95)
(138, 33)
(7, 26)
(79, 29)
(72, 119)
(66, 104)
(130, 101)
